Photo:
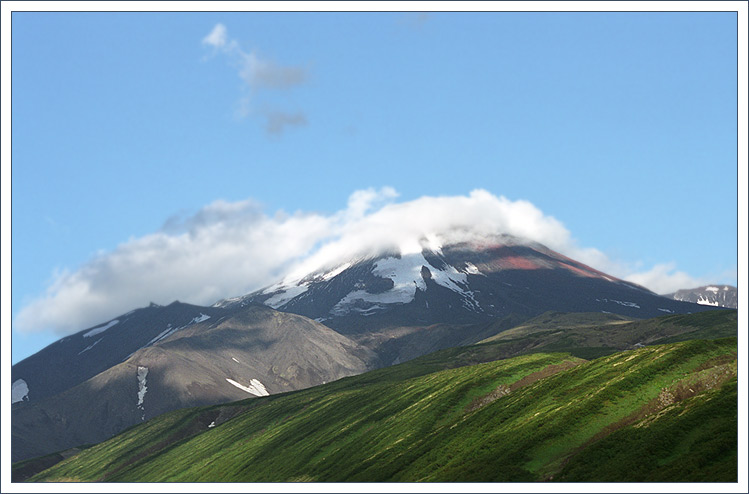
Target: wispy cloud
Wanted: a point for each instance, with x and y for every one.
(217, 37)
(259, 74)
(276, 121)
(231, 248)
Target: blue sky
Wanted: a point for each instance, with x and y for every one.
(620, 126)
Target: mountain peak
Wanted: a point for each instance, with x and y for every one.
(712, 295)
(458, 279)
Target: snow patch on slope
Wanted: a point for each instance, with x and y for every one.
(287, 293)
(90, 346)
(170, 331)
(202, 317)
(255, 387)
(335, 272)
(142, 388)
(450, 278)
(293, 287)
(19, 391)
(704, 301)
(406, 274)
(620, 302)
(228, 301)
(471, 269)
(100, 329)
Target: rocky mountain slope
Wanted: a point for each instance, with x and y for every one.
(74, 359)
(253, 351)
(713, 295)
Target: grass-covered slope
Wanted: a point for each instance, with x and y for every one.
(694, 441)
(591, 335)
(533, 417)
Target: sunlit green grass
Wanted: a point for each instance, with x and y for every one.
(414, 422)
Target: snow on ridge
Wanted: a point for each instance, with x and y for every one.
(450, 278)
(287, 293)
(405, 272)
(202, 317)
(406, 276)
(713, 289)
(255, 387)
(335, 272)
(19, 391)
(472, 269)
(100, 329)
(227, 301)
(170, 331)
(704, 301)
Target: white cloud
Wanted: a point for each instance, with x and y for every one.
(664, 278)
(362, 201)
(217, 37)
(258, 75)
(231, 248)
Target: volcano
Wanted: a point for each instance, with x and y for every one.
(343, 318)
(457, 283)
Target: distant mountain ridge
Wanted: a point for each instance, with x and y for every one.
(713, 295)
(227, 356)
(80, 356)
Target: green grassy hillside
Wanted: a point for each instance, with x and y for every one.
(529, 418)
(591, 335)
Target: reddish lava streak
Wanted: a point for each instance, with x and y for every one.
(517, 262)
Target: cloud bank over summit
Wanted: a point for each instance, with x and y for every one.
(232, 248)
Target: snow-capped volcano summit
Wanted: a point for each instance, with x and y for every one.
(459, 282)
